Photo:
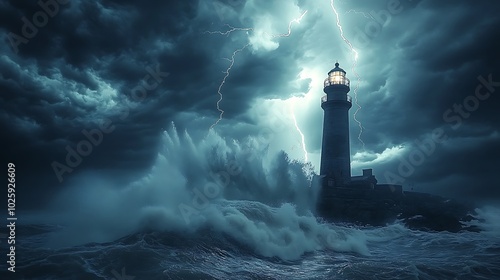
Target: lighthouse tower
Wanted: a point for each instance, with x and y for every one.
(335, 152)
(337, 188)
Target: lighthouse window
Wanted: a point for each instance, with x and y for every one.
(336, 78)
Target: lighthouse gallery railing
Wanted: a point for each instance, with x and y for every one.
(325, 98)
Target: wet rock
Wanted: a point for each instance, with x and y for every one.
(416, 210)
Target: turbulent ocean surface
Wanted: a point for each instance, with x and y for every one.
(336, 252)
(175, 223)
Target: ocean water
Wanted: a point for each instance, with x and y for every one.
(391, 252)
(214, 210)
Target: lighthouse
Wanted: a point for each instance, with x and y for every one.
(343, 197)
(335, 153)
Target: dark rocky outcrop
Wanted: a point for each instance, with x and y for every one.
(416, 210)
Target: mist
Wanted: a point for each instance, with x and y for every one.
(263, 200)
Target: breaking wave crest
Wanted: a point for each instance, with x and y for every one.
(262, 200)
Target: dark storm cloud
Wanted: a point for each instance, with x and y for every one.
(80, 68)
(433, 56)
(442, 58)
(85, 47)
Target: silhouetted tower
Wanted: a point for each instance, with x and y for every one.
(335, 152)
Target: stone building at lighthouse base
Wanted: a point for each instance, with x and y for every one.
(361, 199)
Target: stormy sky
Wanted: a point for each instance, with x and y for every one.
(121, 72)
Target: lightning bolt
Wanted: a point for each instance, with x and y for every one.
(231, 30)
(219, 90)
(298, 130)
(231, 64)
(302, 137)
(227, 72)
(297, 20)
(358, 78)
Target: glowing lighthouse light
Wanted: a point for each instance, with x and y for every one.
(337, 77)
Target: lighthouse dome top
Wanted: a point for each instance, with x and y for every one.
(337, 69)
(336, 76)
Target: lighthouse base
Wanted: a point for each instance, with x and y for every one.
(383, 204)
